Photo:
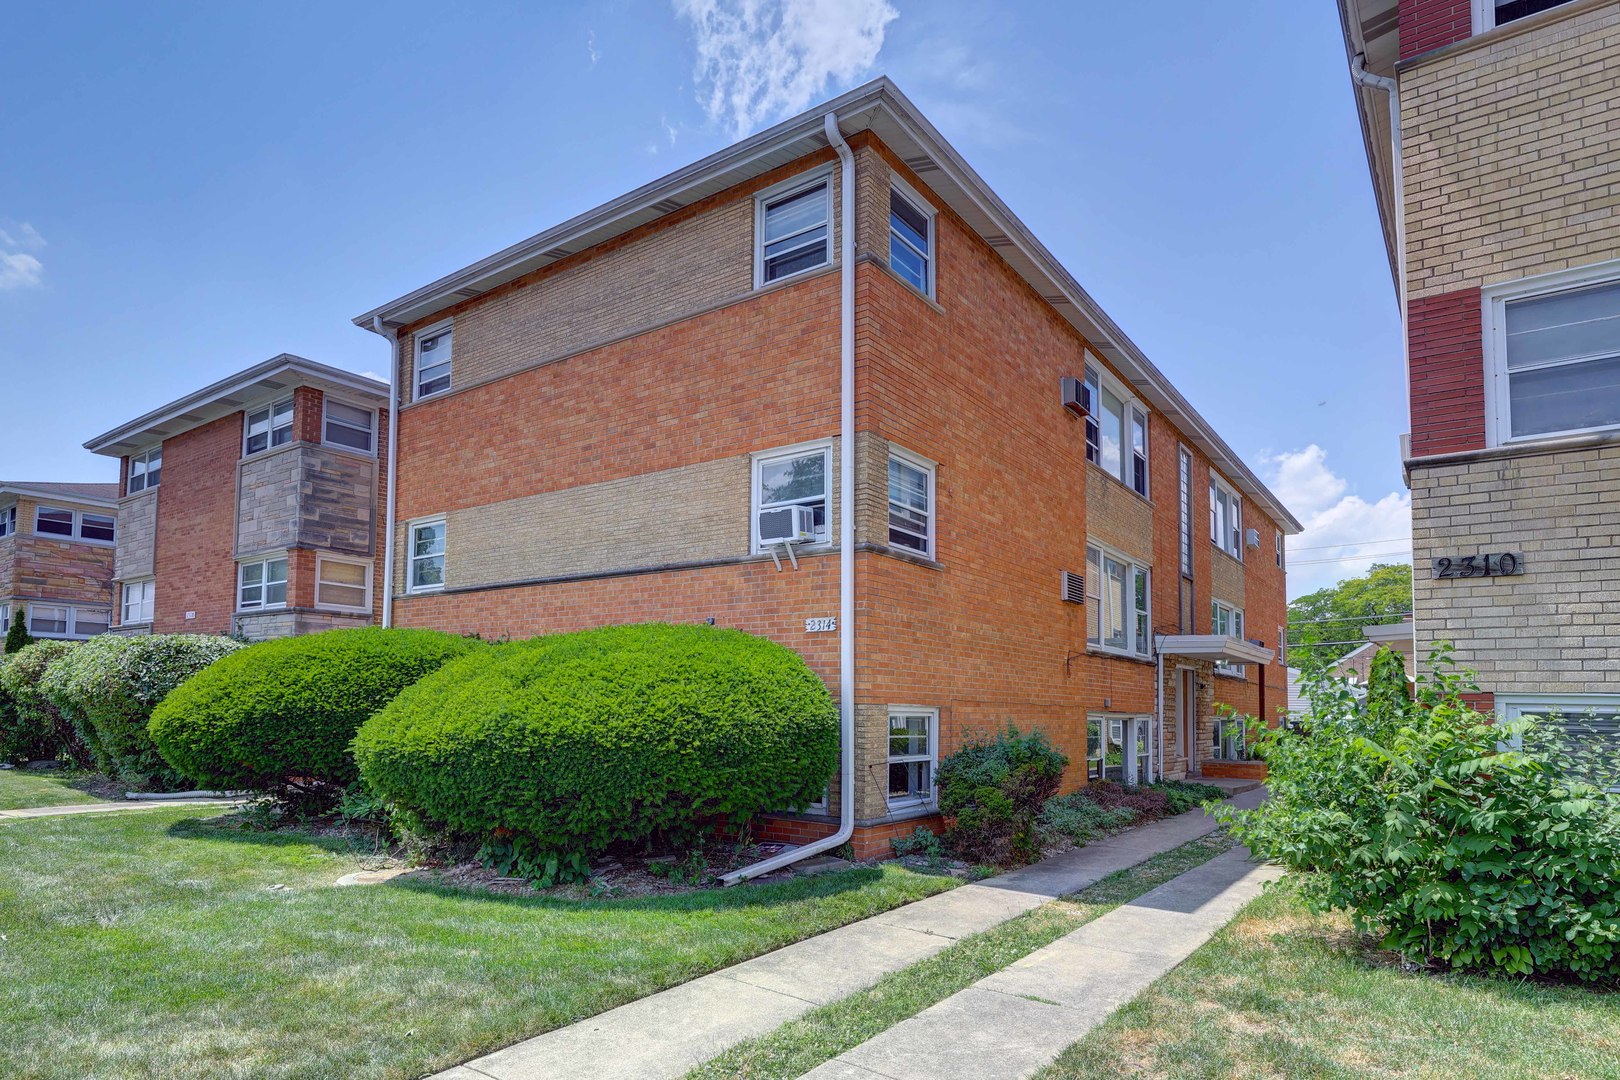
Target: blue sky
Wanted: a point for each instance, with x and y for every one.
(188, 189)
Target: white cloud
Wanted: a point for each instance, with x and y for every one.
(21, 236)
(19, 270)
(590, 47)
(760, 60)
(1344, 534)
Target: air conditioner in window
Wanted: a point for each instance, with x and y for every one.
(1253, 537)
(787, 525)
(1076, 396)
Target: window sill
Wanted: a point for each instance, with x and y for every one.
(902, 554)
(269, 609)
(1235, 676)
(882, 264)
(71, 539)
(797, 275)
(1114, 654)
(1222, 551)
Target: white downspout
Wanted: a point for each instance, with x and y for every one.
(1359, 72)
(390, 469)
(846, 530)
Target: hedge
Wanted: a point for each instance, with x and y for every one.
(31, 726)
(108, 687)
(995, 789)
(278, 716)
(631, 733)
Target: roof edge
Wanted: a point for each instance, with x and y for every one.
(58, 496)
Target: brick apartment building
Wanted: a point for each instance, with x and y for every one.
(637, 415)
(56, 557)
(252, 506)
(1500, 206)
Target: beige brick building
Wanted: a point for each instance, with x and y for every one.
(1500, 203)
(56, 557)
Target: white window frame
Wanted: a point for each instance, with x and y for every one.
(931, 758)
(411, 558)
(1096, 594)
(927, 468)
(899, 187)
(1231, 525)
(8, 521)
(440, 327)
(761, 458)
(1498, 421)
(1139, 767)
(1484, 15)
(145, 459)
(1097, 379)
(145, 609)
(326, 418)
(1282, 558)
(72, 620)
(270, 432)
(1235, 624)
(785, 190)
(263, 561)
(321, 560)
(77, 535)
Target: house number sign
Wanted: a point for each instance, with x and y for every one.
(1496, 564)
(821, 626)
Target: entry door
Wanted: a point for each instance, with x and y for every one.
(1187, 718)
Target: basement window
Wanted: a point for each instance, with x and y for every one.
(793, 230)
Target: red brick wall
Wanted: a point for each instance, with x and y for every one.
(196, 527)
(1430, 24)
(1448, 373)
(307, 407)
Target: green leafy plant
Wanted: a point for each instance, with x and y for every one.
(517, 856)
(921, 842)
(648, 734)
(1082, 819)
(32, 728)
(278, 716)
(995, 789)
(17, 636)
(692, 870)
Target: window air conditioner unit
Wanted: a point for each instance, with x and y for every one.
(1253, 537)
(1076, 396)
(787, 525)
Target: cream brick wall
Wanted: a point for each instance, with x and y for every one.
(1226, 579)
(1118, 516)
(137, 535)
(1552, 629)
(1511, 155)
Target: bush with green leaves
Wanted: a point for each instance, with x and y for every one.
(1427, 821)
(1080, 819)
(995, 789)
(567, 744)
(32, 728)
(278, 716)
(17, 636)
(108, 687)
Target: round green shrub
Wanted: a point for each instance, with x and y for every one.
(278, 716)
(32, 728)
(576, 741)
(109, 685)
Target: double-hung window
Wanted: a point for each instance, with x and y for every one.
(8, 520)
(1553, 354)
(911, 503)
(794, 231)
(913, 753)
(76, 524)
(427, 556)
(138, 602)
(262, 583)
(269, 426)
(1225, 519)
(67, 621)
(1116, 431)
(1117, 615)
(798, 477)
(342, 584)
(911, 241)
(1226, 621)
(145, 470)
(349, 427)
(433, 349)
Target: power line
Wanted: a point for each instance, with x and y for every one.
(1365, 620)
(1400, 557)
(1353, 543)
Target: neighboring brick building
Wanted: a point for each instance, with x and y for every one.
(606, 422)
(1507, 243)
(252, 506)
(56, 557)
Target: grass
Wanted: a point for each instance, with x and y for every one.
(1282, 992)
(822, 1034)
(20, 789)
(153, 945)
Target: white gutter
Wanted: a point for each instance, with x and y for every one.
(846, 531)
(393, 461)
(1359, 72)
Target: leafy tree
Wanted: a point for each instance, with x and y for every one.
(1338, 613)
(17, 636)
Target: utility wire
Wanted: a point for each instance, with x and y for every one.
(1368, 543)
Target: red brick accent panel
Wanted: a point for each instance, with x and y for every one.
(1483, 702)
(196, 525)
(1235, 770)
(308, 407)
(1432, 24)
(1448, 373)
(871, 842)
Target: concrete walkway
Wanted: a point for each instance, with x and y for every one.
(665, 1034)
(1012, 1023)
(108, 807)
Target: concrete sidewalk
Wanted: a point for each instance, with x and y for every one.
(108, 808)
(665, 1034)
(1012, 1023)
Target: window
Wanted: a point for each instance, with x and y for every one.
(1225, 519)
(138, 601)
(53, 522)
(1589, 724)
(1231, 739)
(1279, 540)
(1553, 355)
(913, 750)
(1186, 512)
(911, 503)
(1489, 13)
(99, 527)
(1111, 418)
(911, 241)
(67, 621)
(262, 583)
(427, 556)
(793, 230)
(433, 350)
(1117, 608)
(1226, 621)
(794, 478)
(1120, 748)
(349, 427)
(80, 524)
(270, 426)
(342, 584)
(8, 521)
(145, 470)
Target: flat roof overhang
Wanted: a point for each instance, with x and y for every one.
(1215, 647)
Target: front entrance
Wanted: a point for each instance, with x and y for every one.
(1187, 718)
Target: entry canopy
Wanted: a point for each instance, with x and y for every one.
(1215, 647)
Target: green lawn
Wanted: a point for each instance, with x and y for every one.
(1284, 993)
(19, 789)
(800, 1045)
(152, 945)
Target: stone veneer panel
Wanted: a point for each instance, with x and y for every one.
(267, 500)
(137, 536)
(306, 496)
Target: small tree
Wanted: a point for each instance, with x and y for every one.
(17, 637)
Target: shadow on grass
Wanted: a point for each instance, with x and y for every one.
(198, 828)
